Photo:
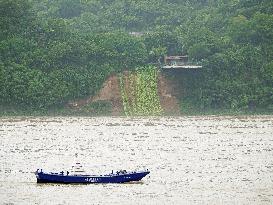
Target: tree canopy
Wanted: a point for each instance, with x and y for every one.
(55, 51)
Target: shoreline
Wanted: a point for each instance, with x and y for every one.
(105, 112)
(195, 114)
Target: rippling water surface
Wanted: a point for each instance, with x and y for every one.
(193, 160)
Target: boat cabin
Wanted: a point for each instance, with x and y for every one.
(77, 169)
(178, 62)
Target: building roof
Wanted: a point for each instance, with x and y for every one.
(181, 66)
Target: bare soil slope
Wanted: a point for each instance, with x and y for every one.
(110, 91)
(167, 95)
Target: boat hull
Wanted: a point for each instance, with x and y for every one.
(88, 179)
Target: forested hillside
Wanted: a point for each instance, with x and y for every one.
(54, 51)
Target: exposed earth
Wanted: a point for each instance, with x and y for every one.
(110, 91)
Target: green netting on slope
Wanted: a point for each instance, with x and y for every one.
(139, 92)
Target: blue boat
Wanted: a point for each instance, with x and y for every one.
(67, 178)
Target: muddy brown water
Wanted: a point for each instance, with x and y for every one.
(193, 160)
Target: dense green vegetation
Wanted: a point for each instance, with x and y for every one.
(52, 52)
(139, 92)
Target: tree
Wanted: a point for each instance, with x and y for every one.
(15, 17)
(70, 8)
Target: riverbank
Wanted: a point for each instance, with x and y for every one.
(104, 109)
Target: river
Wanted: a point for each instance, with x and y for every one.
(193, 160)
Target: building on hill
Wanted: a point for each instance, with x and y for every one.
(179, 62)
